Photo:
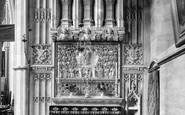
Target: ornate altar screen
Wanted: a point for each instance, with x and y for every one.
(88, 82)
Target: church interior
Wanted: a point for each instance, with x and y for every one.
(92, 57)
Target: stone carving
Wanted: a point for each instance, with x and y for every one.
(88, 34)
(69, 71)
(48, 14)
(43, 68)
(68, 67)
(137, 69)
(116, 101)
(41, 99)
(42, 77)
(42, 15)
(42, 55)
(37, 15)
(133, 54)
(133, 14)
(133, 88)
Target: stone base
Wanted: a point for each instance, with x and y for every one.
(66, 23)
(88, 22)
(109, 23)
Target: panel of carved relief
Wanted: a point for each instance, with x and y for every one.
(42, 54)
(69, 76)
(133, 83)
(133, 54)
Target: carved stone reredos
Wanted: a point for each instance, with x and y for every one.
(88, 34)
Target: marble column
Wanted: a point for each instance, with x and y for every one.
(110, 21)
(21, 82)
(66, 13)
(88, 7)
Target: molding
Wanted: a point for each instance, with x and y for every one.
(25, 67)
(171, 56)
(82, 100)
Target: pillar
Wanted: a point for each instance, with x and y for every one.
(77, 12)
(119, 10)
(21, 83)
(99, 15)
(110, 21)
(66, 13)
(88, 7)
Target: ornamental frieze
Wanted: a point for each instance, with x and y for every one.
(88, 34)
(42, 55)
(133, 54)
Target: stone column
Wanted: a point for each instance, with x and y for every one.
(36, 34)
(99, 13)
(77, 12)
(66, 13)
(88, 7)
(49, 4)
(42, 21)
(120, 22)
(109, 21)
(1, 45)
(21, 82)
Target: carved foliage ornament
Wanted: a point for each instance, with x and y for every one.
(133, 54)
(42, 54)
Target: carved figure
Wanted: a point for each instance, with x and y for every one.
(87, 35)
(109, 34)
(64, 35)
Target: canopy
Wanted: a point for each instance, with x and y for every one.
(7, 33)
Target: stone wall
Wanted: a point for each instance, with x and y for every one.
(161, 27)
(172, 92)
